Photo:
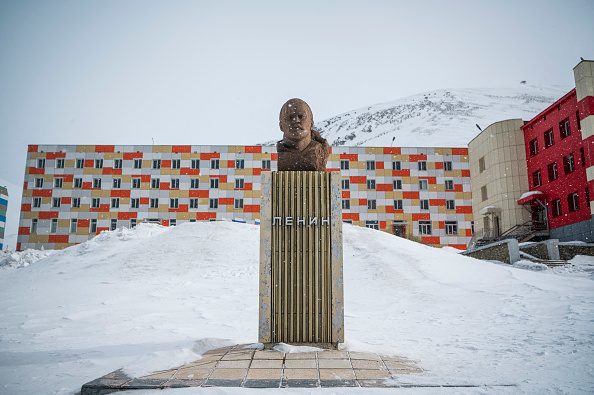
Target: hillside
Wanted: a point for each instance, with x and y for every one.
(441, 118)
(152, 298)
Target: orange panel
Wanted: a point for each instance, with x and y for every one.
(253, 149)
(104, 148)
(459, 151)
(66, 200)
(89, 163)
(410, 194)
(379, 165)
(132, 155)
(58, 239)
(54, 155)
(166, 163)
(257, 171)
(458, 188)
(84, 223)
(401, 173)
(430, 240)
(42, 192)
(87, 185)
(438, 165)
(362, 202)
(437, 202)
(251, 208)
(99, 230)
(346, 194)
(421, 216)
(32, 148)
(226, 201)
(351, 216)
(464, 209)
(209, 155)
(358, 179)
(351, 157)
(416, 158)
(24, 230)
(143, 200)
(274, 156)
(126, 216)
(392, 151)
(25, 207)
(205, 216)
(34, 170)
(465, 173)
(198, 193)
(181, 148)
(384, 187)
(382, 224)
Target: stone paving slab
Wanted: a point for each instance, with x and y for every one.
(240, 366)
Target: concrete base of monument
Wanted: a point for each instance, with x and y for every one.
(244, 366)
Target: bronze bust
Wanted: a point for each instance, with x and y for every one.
(302, 148)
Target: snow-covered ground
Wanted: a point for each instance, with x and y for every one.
(154, 297)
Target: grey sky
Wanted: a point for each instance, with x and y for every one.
(217, 72)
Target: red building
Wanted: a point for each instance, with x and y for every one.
(559, 146)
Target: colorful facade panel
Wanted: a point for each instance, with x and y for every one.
(3, 213)
(72, 193)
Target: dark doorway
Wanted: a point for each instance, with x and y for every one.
(400, 230)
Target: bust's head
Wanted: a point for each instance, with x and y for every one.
(296, 123)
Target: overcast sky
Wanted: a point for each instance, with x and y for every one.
(218, 72)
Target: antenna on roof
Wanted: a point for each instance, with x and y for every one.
(393, 138)
(479, 128)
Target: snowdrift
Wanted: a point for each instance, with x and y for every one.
(153, 297)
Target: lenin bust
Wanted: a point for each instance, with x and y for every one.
(302, 148)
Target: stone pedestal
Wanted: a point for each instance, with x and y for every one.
(301, 280)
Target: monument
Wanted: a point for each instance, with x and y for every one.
(301, 277)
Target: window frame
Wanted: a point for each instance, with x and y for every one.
(449, 185)
(451, 228)
(423, 184)
(396, 165)
(371, 185)
(398, 204)
(346, 204)
(371, 204)
(238, 204)
(424, 204)
(214, 183)
(370, 165)
(422, 165)
(345, 164)
(425, 228)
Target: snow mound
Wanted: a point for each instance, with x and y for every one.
(150, 298)
(19, 259)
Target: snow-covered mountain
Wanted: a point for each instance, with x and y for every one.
(152, 298)
(441, 118)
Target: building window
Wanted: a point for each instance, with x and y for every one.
(135, 202)
(482, 164)
(115, 202)
(568, 164)
(556, 207)
(54, 226)
(587, 196)
(214, 183)
(117, 183)
(213, 203)
(40, 163)
(214, 163)
(447, 166)
(114, 223)
(39, 182)
(536, 179)
(484, 193)
(346, 204)
(194, 183)
(57, 202)
(423, 184)
(195, 164)
(397, 184)
(347, 221)
(96, 183)
(564, 130)
(424, 203)
(174, 203)
(73, 223)
(239, 183)
(175, 163)
(583, 156)
(36, 202)
(549, 139)
(132, 223)
(552, 170)
(577, 117)
(372, 224)
(93, 228)
(239, 163)
(371, 184)
(345, 164)
(95, 202)
(371, 204)
(174, 183)
(346, 184)
(138, 163)
(155, 183)
(98, 163)
(75, 202)
(80, 163)
(398, 204)
(396, 165)
(58, 182)
(136, 183)
(533, 145)
(173, 222)
(154, 203)
(573, 202)
(422, 165)
(450, 204)
(238, 204)
(265, 164)
(449, 185)
(451, 227)
(34, 225)
(117, 163)
(425, 227)
(156, 163)
(370, 165)
(60, 163)
(78, 183)
(194, 203)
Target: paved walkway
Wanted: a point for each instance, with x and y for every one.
(237, 366)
